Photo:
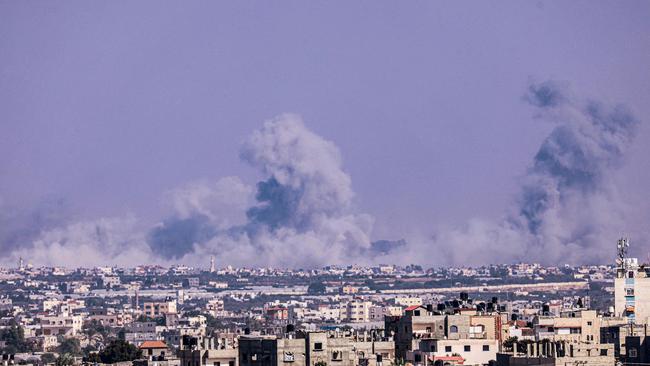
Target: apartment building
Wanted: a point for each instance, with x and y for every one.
(358, 311)
(316, 348)
(632, 291)
(159, 309)
(67, 326)
(441, 351)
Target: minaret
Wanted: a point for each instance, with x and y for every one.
(21, 264)
(211, 264)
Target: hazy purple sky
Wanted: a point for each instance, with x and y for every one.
(108, 105)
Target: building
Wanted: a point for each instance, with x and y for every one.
(358, 311)
(316, 348)
(155, 350)
(467, 351)
(67, 326)
(159, 309)
(559, 353)
(631, 287)
(191, 282)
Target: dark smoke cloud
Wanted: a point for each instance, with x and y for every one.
(568, 209)
(176, 237)
(278, 205)
(578, 155)
(19, 228)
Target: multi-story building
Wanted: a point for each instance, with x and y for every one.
(470, 351)
(159, 309)
(67, 326)
(316, 348)
(358, 311)
(631, 287)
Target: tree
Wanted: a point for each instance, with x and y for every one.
(14, 338)
(119, 351)
(92, 358)
(69, 346)
(509, 343)
(48, 358)
(65, 360)
(316, 288)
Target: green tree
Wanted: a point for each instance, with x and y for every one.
(509, 343)
(316, 288)
(65, 359)
(69, 346)
(48, 358)
(92, 358)
(14, 338)
(119, 351)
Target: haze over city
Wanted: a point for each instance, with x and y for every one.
(303, 135)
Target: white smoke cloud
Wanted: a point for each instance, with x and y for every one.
(223, 202)
(101, 242)
(301, 215)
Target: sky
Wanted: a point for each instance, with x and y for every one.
(414, 119)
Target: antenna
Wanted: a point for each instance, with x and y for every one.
(622, 246)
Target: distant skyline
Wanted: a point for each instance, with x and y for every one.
(127, 128)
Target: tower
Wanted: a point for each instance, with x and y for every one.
(211, 264)
(21, 263)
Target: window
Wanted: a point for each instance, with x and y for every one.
(418, 357)
(416, 313)
(288, 356)
(453, 329)
(603, 352)
(447, 348)
(428, 329)
(589, 323)
(318, 346)
(231, 363)
(244, 357)
(216, 363)
(486, 347)
(630, 274)
(468, 348)
(337, 356)
(631, 352)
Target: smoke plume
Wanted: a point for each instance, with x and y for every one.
(568, 209)
(301, 214)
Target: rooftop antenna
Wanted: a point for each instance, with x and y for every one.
(621, 247)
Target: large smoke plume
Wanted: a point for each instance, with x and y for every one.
(301, 213)
(568, 209)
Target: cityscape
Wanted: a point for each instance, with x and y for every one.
(520, 314)
(324, 183)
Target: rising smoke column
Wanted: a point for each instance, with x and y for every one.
(302, 211)
(568, 200)
(567, 210)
